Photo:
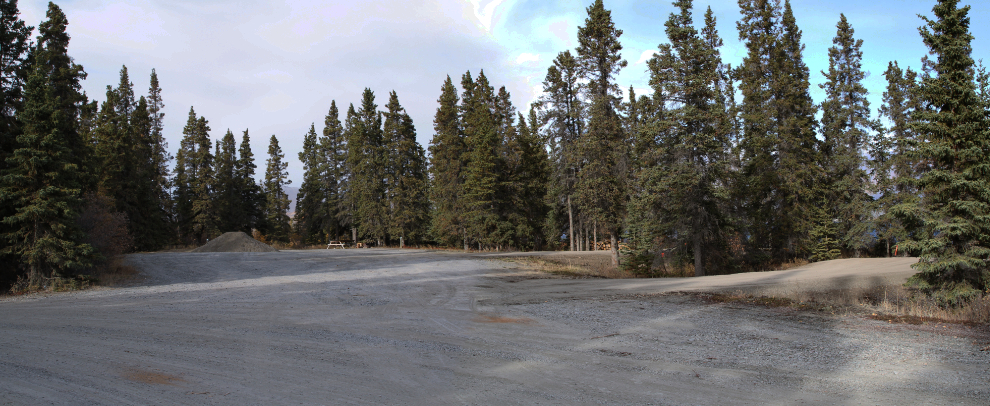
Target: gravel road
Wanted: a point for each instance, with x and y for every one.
(379, 326)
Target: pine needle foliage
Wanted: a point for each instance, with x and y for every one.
(600, 186)
(685, 179)
(307, 222)
(954, 134)
(276, 200)
(846, 128)
(447, 170)
(334, 176)
(43, 179)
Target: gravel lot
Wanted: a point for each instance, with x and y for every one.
(380, 326)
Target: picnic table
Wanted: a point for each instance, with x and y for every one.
(336, 244)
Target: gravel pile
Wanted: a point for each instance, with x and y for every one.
(235, 241)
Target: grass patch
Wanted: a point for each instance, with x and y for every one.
(893, 304)
(576, 267)
(112, 273)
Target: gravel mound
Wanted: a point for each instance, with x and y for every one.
(235, 241)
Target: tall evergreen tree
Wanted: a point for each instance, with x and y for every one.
(149, 224)
(350, 200)
(846, 127)
(510, 217)
(531, 176)
(408, 206)
(481, 179)
(446, 170)
(797, 147)
(892, 167)
(366, 159)
(601, 183)
(252, 200)
(161, 159)
(309, 200)
(42, 181)
(195, 181)
(15, 40)
(954, 244)
(776, 135)
(227, 187)
(565, 112)
(276, 200)
(334, 175)
(685, 181)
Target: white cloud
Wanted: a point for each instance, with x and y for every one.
(527, 58)
(484, 11)
(645, 56)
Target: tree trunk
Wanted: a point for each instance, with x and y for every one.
(570, 219)
(888, 248)
(402, 242)
(699, 266)
(615, 249)
(581, 234)
(595, 247)
(354, 235)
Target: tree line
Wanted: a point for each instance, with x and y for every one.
(722, 168)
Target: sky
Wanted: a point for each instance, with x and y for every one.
(274, 66)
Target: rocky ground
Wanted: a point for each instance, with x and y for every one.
(380, 326)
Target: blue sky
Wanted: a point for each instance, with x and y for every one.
(274, 66)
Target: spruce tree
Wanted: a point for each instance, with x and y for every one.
(276, 200)
(777, 146)
(43, 179)
(508, 185)
(227, 187)
(798, 144)
(565, 112)
(195, 181)
(149, 222)
(531, 177)
(310, 198)
(446, 169)
(685, 184)
(334, 175)
(252, 200)
(408, 205)
(482, 165)
(204, 221)
(600, 186)
(892, 167)
(349, 211)
(846, 128)
(366, 160)
(15, 40)
(952, 126)
(161, 159)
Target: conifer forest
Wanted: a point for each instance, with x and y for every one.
(721, 168)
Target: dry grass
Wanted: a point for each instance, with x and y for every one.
(895, 304)
(792, 264)
(111, 273)
(573, 266)
(115, 273)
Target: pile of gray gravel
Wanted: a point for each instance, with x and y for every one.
(235, 241)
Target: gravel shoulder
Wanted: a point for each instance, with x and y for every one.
(379, 326)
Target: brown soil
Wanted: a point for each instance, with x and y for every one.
(152, 377)
(491, 318)
(235, 241)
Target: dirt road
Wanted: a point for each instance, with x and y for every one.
(421, 327)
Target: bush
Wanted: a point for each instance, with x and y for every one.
(107, 232)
